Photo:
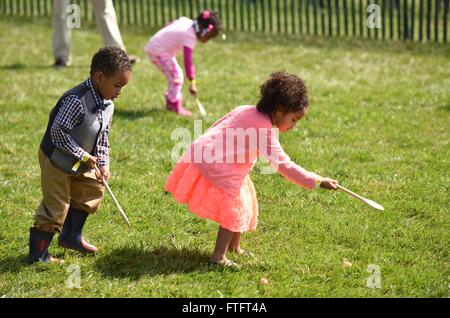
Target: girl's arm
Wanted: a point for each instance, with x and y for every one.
(271, 149)
(188, 63)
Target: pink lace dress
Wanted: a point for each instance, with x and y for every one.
(236, 214)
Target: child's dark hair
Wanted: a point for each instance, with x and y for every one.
(207, 18)
(110, 59)
(284, 92)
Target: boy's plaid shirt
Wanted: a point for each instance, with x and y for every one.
(70, 114)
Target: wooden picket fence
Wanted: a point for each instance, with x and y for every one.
(419, 20)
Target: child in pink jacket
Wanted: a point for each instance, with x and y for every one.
(212, 177)
(180, 35)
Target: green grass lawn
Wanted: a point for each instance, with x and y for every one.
(379, 122)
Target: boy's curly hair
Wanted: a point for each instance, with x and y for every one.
(283, 91)
(212, 18)
(110, 59)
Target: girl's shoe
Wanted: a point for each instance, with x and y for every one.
(242, 252)
(177, 107)
(226, 263)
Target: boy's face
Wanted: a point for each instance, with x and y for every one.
(110, 87)
(287, 121)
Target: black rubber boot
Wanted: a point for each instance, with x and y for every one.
(71, 235)
(39, 243)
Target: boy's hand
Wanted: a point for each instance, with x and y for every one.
(193, 89)
(104, 170)
(328, 184)
(91, 161)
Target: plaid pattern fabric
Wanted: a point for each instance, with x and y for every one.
(71, 114)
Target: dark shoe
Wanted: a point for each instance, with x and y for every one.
(39, 243)
(71, 235)
(59, 64)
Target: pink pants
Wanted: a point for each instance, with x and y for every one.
(168, 65)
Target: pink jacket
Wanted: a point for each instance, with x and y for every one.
(226, 153)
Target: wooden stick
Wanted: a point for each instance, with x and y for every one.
(200, 107)
(371, 203)
(122, 213)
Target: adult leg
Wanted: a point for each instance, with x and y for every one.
(106, 20)
(61, 33)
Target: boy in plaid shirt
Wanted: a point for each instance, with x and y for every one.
(75, 141)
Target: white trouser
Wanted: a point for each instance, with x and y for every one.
(105, 17)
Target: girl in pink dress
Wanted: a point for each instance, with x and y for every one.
(180, 35)
(212, 176)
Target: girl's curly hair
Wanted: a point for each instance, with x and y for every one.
(110, 59)
(283, 92)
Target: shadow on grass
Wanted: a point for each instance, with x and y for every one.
(13, 264)
(135, 262)
(136, 114)
(29, 67)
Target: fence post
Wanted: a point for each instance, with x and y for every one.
(376, 29)
(249, 17)
(366, 15)
(307, 17)
(147, 6)
(446, 9)
(278, 16)
(293, 16)
(421, 15)
(361, 19)
(300, 16)
(429, 20)
(413, 19)
(315, 18)
(263, 16)
(330, 18)
(338, 17)
(405, 20)
(255, 5)
(353, 18)
(345, 18)
(436, 20)
(383, 31)
(241, 12)
(399, 20)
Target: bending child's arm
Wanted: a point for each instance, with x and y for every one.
(102, 152)
(190, 69)
(69, 115)
(280, 161)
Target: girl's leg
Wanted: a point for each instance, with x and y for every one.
(168, 65)
(224, 238)
(235, 245)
